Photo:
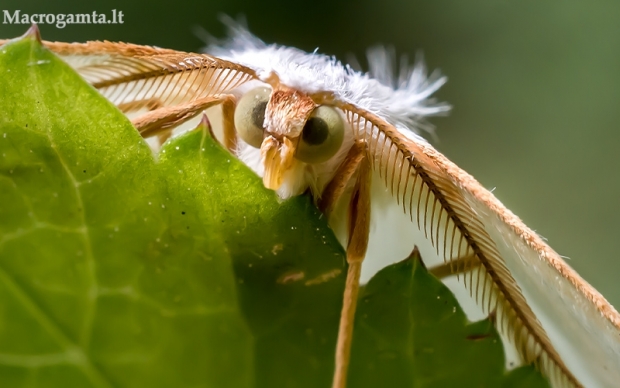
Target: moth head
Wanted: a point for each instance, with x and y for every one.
(289, 128)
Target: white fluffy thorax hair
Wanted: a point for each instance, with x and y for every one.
(402, 100)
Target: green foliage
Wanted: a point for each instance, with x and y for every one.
(127, 269)
(418, 335)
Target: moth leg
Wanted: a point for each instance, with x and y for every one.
(164, 119)
(359, 228)
(455, 267)
(148, 103)
(336, 187)
(228, 115)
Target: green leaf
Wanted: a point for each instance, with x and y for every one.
(420, 336)
(120, 270)
(287, 266)
(127, 269)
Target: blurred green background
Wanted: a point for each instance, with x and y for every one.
(535, 87)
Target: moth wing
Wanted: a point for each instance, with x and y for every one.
(552, 315)
(135, 77)
(581, 324)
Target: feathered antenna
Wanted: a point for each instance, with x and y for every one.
(412, 87)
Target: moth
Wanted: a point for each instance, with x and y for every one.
(305, 122)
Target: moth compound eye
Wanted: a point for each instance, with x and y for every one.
(250, 115)
(322, 135)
